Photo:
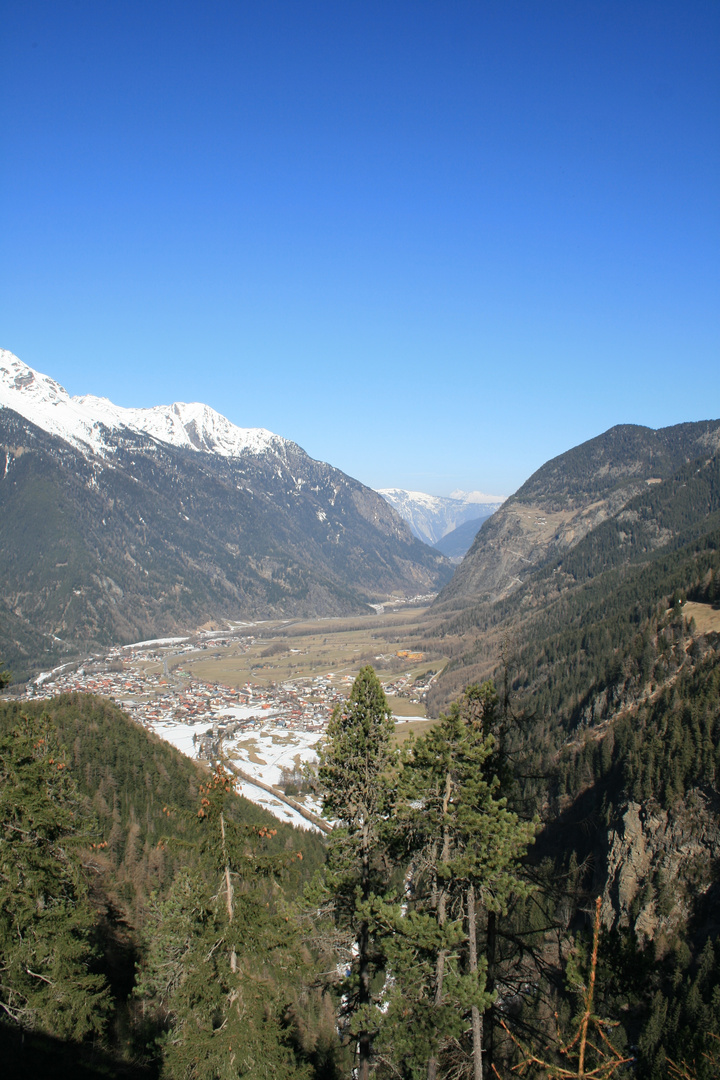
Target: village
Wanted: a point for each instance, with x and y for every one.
(266, 731)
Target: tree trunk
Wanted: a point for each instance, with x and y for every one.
(363, 944)
(477, 1020)
(228, 891)
(442, 914)
(490, 986)
(439, 976)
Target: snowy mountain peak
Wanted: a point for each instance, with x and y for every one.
(85, 421)
(477, 497)
(416, 498)
(431, 517)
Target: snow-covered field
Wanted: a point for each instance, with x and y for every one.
(277, 807)
(265, 753)
(262, 754)
(180, 735)
(156, 641)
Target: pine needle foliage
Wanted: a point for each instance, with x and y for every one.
(356, 780)
(464, 848)
(46, 921)
(220, 957)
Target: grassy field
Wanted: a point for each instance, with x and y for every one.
(411, 727)
(707, 618)
(335, 648)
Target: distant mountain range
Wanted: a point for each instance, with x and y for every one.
(119, 524)
(432, 517)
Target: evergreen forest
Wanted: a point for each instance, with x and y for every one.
(155, 924)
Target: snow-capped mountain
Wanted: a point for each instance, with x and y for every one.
(88, 422)
(126, 524)
(433, 516)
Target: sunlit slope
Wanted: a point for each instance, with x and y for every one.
(568, 498)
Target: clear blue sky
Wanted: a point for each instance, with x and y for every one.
(434, 243)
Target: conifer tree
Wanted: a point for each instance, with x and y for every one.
(46, 920)
(464, 847)
(220, 957)
(355, 779)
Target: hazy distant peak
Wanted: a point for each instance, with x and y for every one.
(477, 497)
(433, 516)
(85, 421)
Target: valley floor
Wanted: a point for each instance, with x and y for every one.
(258, 694)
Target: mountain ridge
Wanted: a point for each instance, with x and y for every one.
(431, 517)
(146, 537)
(567, 498)
(83, 420)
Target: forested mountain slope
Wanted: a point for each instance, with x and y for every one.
(567, 498)
(102, 826)
(610, 657)
(633, 815)
(664, 538)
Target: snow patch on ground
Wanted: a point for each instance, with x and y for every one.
(157, 641)
(263, 755)
(266, 753)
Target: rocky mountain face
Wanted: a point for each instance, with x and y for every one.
(117, 525)
(676, 848)
(567, 499)
(431, 517)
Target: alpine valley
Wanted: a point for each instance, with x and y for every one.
(530, 886)
(119, 524)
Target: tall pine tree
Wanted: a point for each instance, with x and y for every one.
(356, 782)
(220, 961)
(46, 920)
(463, 845)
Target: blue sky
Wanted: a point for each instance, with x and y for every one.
(434, 243)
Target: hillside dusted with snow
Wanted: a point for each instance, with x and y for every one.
(124, 524)
(433, 516)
